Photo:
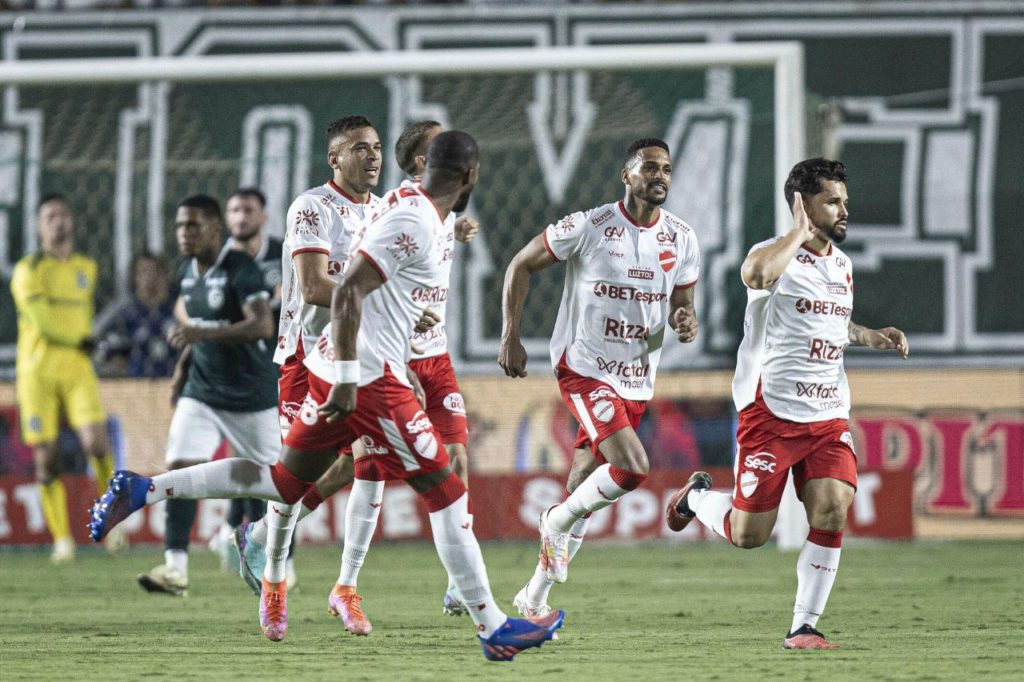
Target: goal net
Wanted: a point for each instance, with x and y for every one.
(126, 139)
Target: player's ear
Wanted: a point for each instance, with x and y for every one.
(471, 175)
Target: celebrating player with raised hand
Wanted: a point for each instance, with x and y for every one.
(792, 395)
(362, 359)
(630, 271)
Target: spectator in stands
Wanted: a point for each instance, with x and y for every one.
(132, 337)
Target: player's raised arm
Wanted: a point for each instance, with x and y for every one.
(360, 281)
(763, 267)
(531, 258)
(886, 338)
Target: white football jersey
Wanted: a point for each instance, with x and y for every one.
(433, 342)
(615, 306)
(794, 338)
(406, 241)
(325, 220)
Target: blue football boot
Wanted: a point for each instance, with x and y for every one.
(518, 634)
(125, 495)
(251, 557)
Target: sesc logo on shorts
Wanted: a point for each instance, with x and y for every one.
(453, 402)
(307, 413)
(419, 423)
(762, 461)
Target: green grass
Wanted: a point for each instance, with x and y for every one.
(644, 612)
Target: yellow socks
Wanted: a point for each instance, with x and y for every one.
(103, 468)
(55, 508)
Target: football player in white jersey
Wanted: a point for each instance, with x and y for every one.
(631, 267)
(361, 358)
(321, 226)
(792, 396)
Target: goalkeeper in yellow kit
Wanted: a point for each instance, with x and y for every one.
(53, 291)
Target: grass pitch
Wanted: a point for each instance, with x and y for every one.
(643, 612)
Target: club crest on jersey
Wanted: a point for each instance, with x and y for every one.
(604, 411)
(667, 259)
(81, 280)
(426, 445)
(215, 298)
(847, 439)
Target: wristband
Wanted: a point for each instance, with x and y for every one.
(346, 371)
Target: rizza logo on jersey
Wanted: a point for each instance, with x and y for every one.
(621, 329)
(822, 349)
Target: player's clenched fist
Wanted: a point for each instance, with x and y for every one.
(466, 228)
(684, 321)
(428, 320)
(340, 403)
(889, 338)
(512, 358)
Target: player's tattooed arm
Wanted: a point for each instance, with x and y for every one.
(684, 317)
(531, 258)
(886, 338)
(763, 267)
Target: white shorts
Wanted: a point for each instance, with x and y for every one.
(198, 429)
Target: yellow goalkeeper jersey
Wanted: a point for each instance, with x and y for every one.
(55, 306)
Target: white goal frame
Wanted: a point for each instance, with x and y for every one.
(785, 58)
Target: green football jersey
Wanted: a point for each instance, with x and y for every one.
(240, 377)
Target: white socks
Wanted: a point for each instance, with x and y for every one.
(232, 477)
(177, 558)
(361, 514)
(460, 553)
(281, 520)
(539, 587)
(597, 491)
(816, 573)
(259, 530)
(710, 508)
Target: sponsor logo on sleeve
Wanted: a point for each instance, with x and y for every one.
(307, 222)
(453, 402)
(403, 247)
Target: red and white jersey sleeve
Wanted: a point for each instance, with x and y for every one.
(405, 242)
(434, 341)
(615, 306)
(794, 337)
(321, 220)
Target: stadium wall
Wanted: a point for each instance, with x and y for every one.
(955, 436)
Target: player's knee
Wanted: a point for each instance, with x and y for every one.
(289, 487)
(749, 538)
(47, 463)
(830, 516)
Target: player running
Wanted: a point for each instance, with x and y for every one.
(444, 405)
(792, 395)
(631, 271)
(373, 311)
(224, 384)
(53, 291)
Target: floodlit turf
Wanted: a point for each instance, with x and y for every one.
(646, 612)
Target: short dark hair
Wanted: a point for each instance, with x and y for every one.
(52, 196)
(345, 124)
(807, 175)
(453, 151)
(637, 145)
(205, 204)
(250, 192)
(410, 144)
(145, 255)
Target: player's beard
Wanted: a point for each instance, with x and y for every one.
(246, 236)
(463, 201)
(654, 200)
(835, 232)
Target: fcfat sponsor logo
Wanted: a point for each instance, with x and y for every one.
(623, 369)
(818, 391)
